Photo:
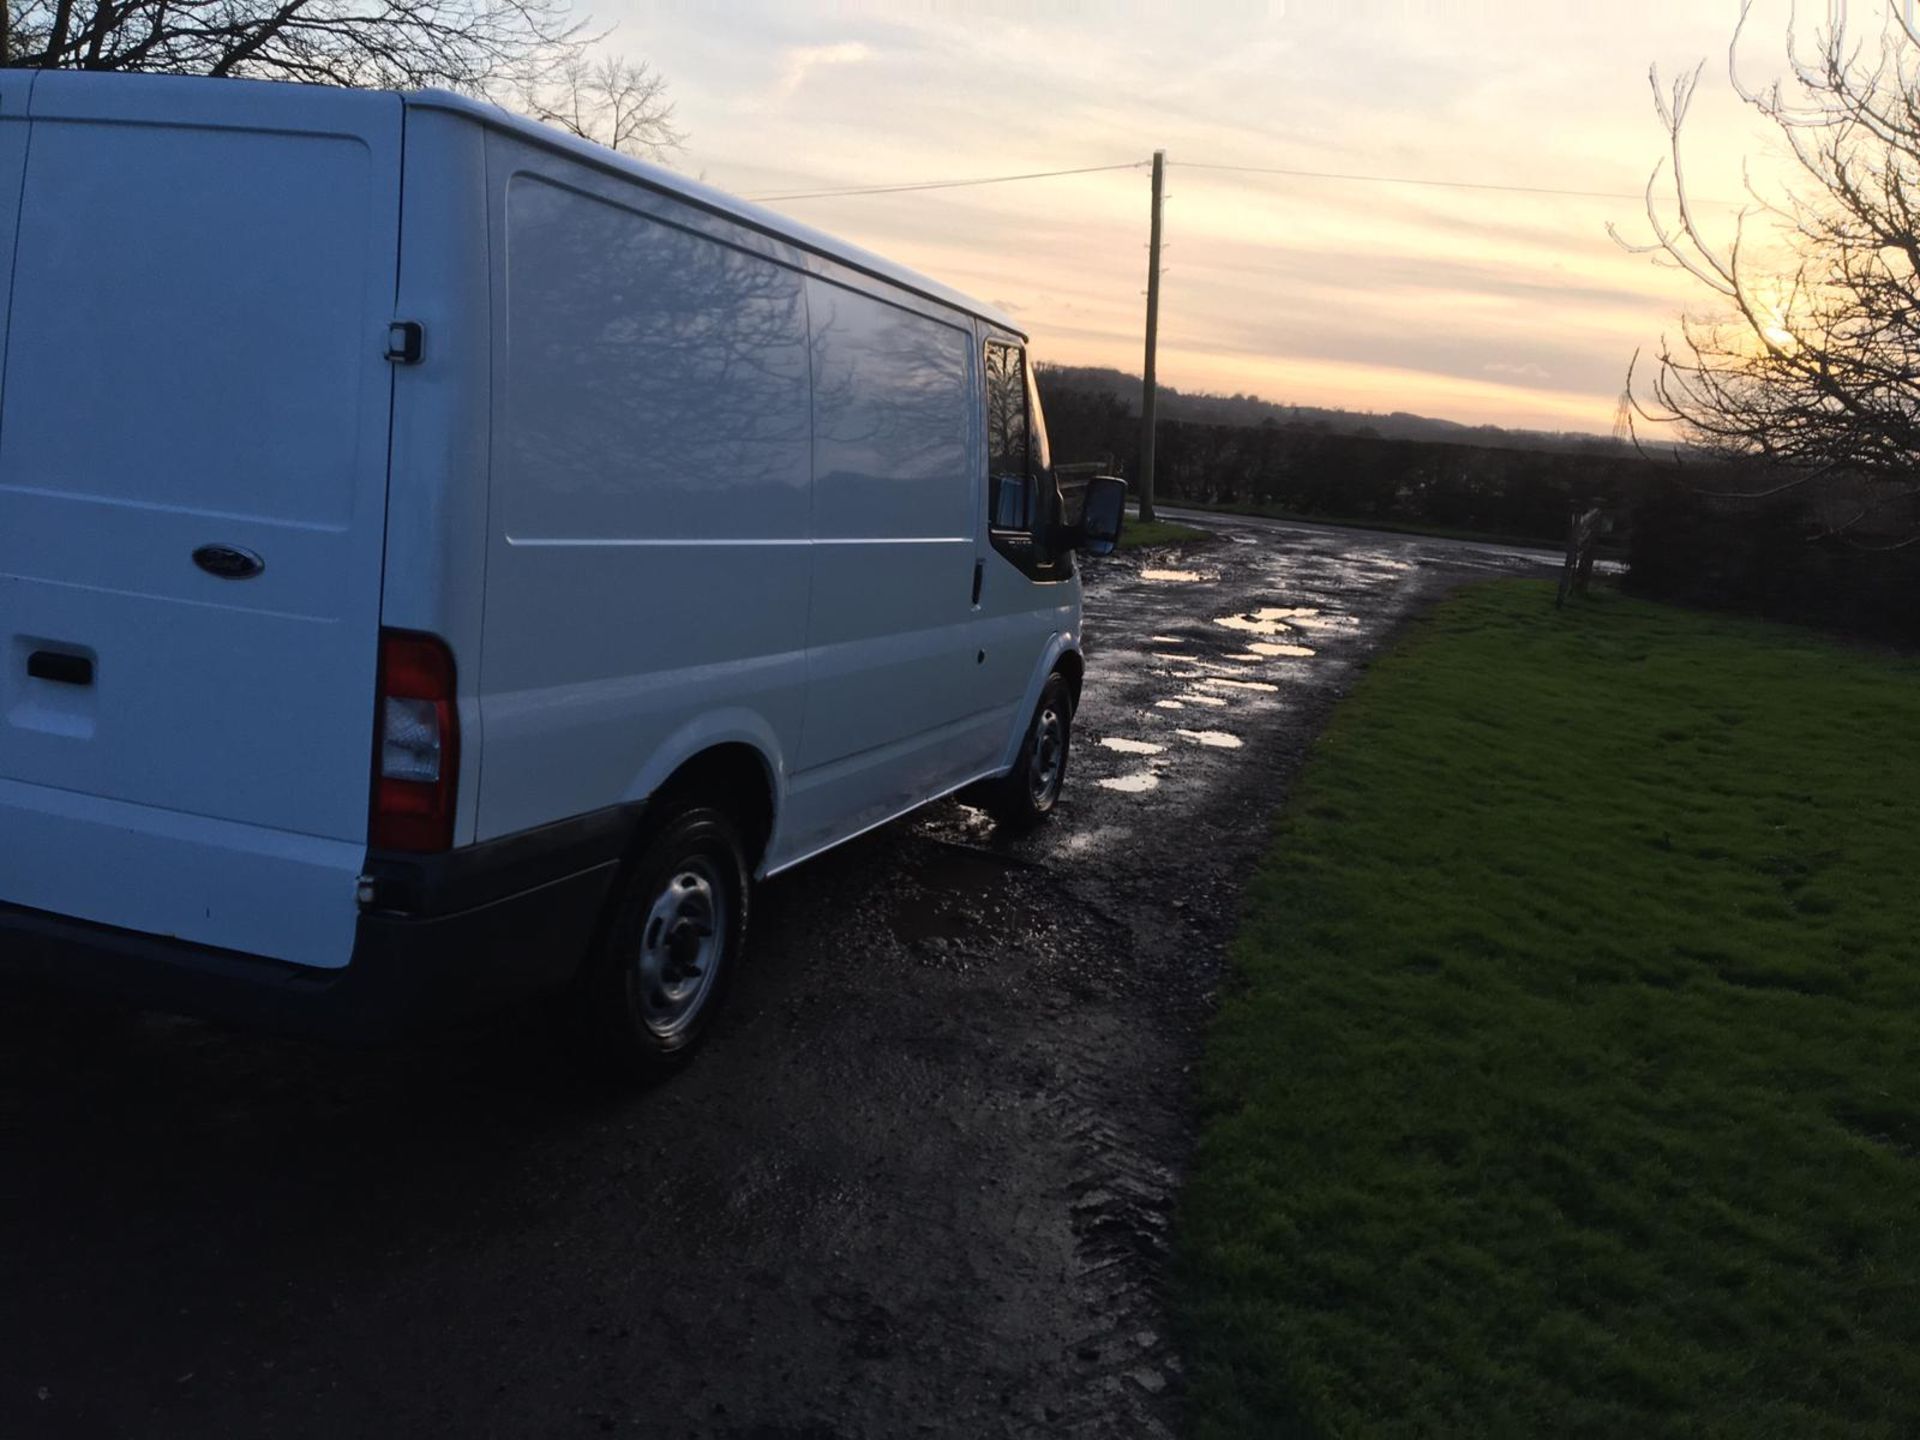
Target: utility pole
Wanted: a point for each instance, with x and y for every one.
(1149, 386)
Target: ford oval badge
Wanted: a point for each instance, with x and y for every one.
(229, 562)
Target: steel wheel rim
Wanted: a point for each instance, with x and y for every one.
(682, 940)
(1048, 766)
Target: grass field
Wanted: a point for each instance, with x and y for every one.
(1137, 534)
(1569, 1082)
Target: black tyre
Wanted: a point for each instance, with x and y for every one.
(1026, 794)
(667, 951)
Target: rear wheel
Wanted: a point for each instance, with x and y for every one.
(649, 991)
(1027, 793)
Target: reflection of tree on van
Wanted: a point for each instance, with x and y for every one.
(890, 418)
(724, 387)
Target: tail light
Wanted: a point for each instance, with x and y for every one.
(416, 758)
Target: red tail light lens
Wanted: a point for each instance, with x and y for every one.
(416, 758)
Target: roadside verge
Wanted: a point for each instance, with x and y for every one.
(1566, 1080)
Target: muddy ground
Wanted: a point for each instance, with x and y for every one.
(919, 1184)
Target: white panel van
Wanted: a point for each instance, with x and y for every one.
(441, 560)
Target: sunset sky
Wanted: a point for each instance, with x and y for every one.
(1472, 304)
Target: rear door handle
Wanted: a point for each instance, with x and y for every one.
(60, 668)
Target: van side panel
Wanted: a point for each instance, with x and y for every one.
(202, 284)
(895, 711)
(647, 573)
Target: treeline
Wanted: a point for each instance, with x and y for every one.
(1788, 556)
(1242, 409)
(1687, 536)
(1308, 469)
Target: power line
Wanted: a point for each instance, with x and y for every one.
(1417, 180)
(947, 184)
(1342, 175)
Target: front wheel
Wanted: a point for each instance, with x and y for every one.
(1026, 794)
(649, 991)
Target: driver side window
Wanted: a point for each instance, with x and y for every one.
(1011, 492)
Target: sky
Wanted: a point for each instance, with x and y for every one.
(1477, 305)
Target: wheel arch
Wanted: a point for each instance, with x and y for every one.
(732, 761)
(1073, 666)
(1062, 654)
(731, 776)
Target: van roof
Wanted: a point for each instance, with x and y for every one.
(658, 177)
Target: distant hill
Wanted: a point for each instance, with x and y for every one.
(1251, 410)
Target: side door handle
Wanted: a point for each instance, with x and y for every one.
(60, 667)
(979, 573)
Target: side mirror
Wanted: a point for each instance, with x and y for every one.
(1102, 514)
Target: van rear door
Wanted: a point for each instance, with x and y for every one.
(203, 279)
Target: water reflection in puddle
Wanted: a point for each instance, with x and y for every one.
(1196, 698)
(1314, 620)
(1273, 649)
(1169, 705)
(1204, 668)
(1242, 684)
(1272, 620)
(1218, 738)
(1131, 747)
(1132, 784)
(1165, 640)
(1181, 576)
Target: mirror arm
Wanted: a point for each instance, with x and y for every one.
(1062, 538)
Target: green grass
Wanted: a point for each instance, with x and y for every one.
(1569, 1081)
(1137, 534)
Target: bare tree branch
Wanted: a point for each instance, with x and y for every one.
(620, 103)
(531, 53)
(1810, 363)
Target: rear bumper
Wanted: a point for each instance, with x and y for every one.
(480, 929)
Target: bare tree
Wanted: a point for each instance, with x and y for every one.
(620, 103)
(1810, 364)
(513, 51)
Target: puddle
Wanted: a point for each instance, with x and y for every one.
(1132, 784)
(1251, 625)
(1180, 576)
(1218, 738)
(1272, 620)
(1273, 649)
(1169, 705)
(1314, 620)
(1243, 685)
(1166, 640)
(1194, 697)
(1131, 747)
